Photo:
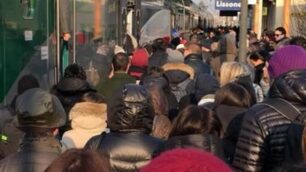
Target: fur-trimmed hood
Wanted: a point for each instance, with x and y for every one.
(179, 66)
(88, 115)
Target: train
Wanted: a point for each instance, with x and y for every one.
(30, 34)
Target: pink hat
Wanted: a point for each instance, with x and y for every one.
(289, 57)
(183, 160)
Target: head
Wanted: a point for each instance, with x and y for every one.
(39, 111)
(159, 44)
(279, 33)
(26, 82)
(258, 57)
(298, 40)
(75, 160)
(289, 57)
(188, 159)
(192, 48)
(75, 71)
(195, 120)
(121, 62)
(131, 110)
(93, 97)
(230, 70)
(268, 35)
(233, 94)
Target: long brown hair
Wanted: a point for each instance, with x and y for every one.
(75, 160)
(196, 120)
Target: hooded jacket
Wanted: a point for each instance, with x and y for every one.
(180, 77)
(87, 120)
(262, 139)
(130, 117)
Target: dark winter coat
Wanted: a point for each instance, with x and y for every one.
(130, 117)
(35, 155)
(262, 139)
(208, 143)
(196, 62)
(110, 86)
(70, 90)
(231, 119)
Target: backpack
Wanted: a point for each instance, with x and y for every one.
(296, 133)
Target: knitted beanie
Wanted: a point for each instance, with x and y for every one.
(287, 58)
(185, 160)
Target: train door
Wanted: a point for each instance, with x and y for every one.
(95, 27)
(27, 44)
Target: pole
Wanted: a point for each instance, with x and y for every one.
(184, 14)
(286, 16)
(243, 31)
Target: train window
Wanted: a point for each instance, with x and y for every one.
(28, 9)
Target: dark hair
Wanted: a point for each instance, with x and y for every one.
(93, 97)
(261, 54)
(75, 160)
(298, 40)
(120, 61)
(26, 82)
(195, 120)
(233, 94)
(75, 71)
(159, 44)
(281, 29)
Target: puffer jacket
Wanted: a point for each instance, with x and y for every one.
(262, 139)
(130, 117)
(35, 155)
(196, 62)
(205, 142)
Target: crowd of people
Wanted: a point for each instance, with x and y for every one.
(182, 105)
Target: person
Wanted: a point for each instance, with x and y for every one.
(70, 89)
(193, 58)
(161, 124)
(120, 77)
(88, 119)
(196, 127)
(79, 160)
(231, 101)
(262, 138)
(39, 115)
(129, 145)
(64, 19)
(159, 56)
(281, 38)
(72, 86)
(189, 159)
(10, 135)
(298, 40)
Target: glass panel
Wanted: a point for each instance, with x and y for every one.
(27, 44)
(96, 32)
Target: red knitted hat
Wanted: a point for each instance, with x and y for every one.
(289, 57)
(186, 160)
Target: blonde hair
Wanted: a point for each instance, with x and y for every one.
(229, 71)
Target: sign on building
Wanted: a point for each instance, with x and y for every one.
(228, 5)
